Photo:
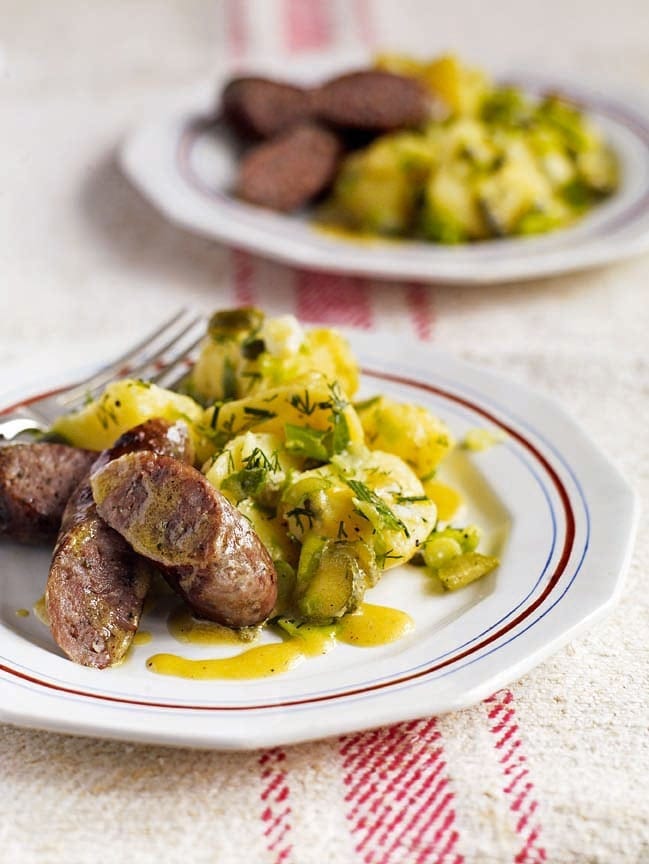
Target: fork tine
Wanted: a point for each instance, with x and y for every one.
(120, 367)
(178, 368)
(173, 352)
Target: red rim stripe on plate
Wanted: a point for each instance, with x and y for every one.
(275, 800)
(518, 787)
(411, 676)
(399, 795)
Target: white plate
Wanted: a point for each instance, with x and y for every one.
(555, 510)
(185, 168)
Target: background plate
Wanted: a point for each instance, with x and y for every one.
(185, 167)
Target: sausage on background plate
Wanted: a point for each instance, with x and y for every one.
(262, 107)
(289, 171)
(97, 583)
(372, 99)
(36, 481)
(205, 548)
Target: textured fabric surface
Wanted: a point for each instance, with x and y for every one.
(553, 768)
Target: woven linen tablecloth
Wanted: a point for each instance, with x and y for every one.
(553, 768)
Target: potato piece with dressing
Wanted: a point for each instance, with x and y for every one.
(362, 495)
(316, 406)
(252, 466)
(123, 405)
(247, 353)
(378, 188)
(409, 431)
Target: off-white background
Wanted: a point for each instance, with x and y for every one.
(85, 263)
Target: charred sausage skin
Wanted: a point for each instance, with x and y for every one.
(263, 108)
(97, 583)
(371, 99)
(206, 549)
(36, 481)
(290, 170)
(305, 130)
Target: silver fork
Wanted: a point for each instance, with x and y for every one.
(163, 357)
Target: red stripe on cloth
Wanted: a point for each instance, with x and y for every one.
(364, 22)
(237, 41)
(308, 24)
(398, 795)
(236, 28)
(276, 810)
(243, 268)
(522, 802)
(420, 305)
(325, 298)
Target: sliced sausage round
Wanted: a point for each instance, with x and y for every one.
(207, 549)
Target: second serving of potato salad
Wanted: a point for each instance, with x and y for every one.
(494, 162)
(338, 490)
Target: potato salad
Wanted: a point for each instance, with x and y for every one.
(338, 490)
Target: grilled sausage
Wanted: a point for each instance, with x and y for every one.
(36, 481)
(206, 549)
(371, 99)
(289, 171)
(264, 108)
(97, 584)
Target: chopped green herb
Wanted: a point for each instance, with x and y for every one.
(306, 512)
(258, 459)
(303, 405)
(262, 413)
(229, 380)
(363, 493)
(307, 442)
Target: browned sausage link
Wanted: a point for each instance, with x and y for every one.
(289, 171)
(206, 549)
(372, 99)
(36, 481)
(264, 108)
(97, 584)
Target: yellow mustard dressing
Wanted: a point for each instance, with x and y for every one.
(373, 625)
(22, 613)
(261, 661)
(185, 628)
(40, 611)
(370, 626)
(447, 499)
(142, 637)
